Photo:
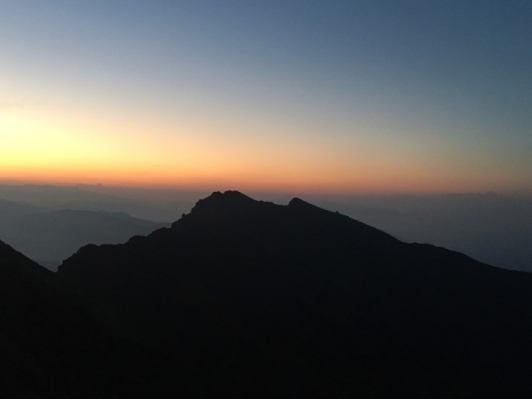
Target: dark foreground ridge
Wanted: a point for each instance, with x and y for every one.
(248, 299)
(53, 346)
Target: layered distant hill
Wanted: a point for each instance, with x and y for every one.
(149, 204)
(48, 237)
(255, 299)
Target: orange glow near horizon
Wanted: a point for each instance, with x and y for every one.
(238, 176)
(304, 184)
(49, 148)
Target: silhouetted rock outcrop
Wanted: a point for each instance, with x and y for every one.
(255, 299)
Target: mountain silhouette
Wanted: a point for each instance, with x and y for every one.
(53, 346)
(254, 299)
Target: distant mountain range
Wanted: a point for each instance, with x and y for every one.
(48, 237)
(148, 204)
(248, 299)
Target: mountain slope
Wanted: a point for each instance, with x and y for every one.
(51, 346)
(262, 300)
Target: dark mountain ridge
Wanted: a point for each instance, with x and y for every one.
(259, 300)
(53, 346)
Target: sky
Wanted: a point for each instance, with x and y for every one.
(309, 96)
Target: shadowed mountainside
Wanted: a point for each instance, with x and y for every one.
(262, 300)
(52, 345)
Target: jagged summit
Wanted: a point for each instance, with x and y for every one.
(225, 199)
(229, 195)
(229, 205)
(280, 223)
(236, 203)
(297, 202)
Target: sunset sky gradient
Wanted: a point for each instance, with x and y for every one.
(318, 96)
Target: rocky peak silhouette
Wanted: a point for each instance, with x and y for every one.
(259, 299)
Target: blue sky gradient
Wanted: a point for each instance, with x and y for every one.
(340, 94)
